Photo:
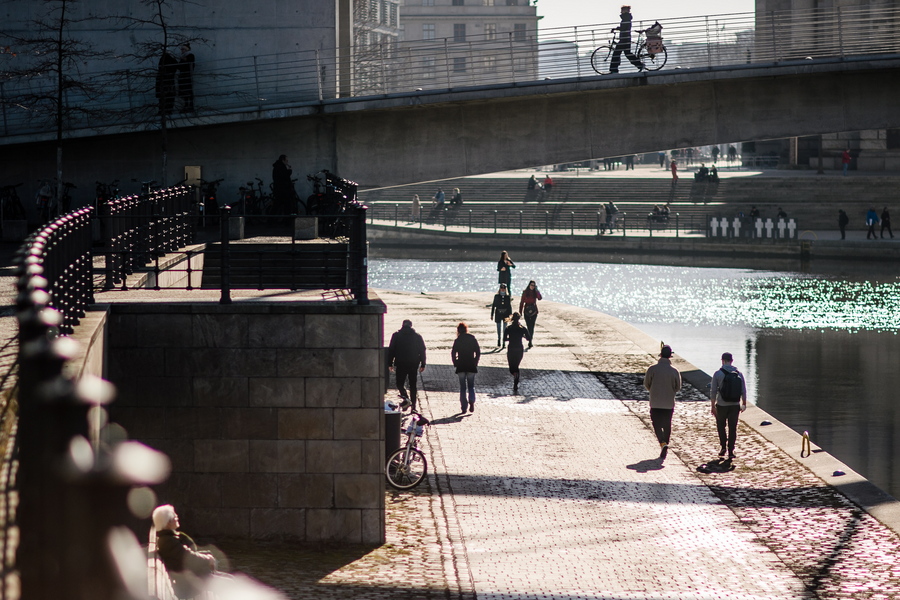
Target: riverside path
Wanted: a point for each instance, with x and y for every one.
(559, 493)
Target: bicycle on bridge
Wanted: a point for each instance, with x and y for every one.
(648, 48)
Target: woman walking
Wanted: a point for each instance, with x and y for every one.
(500, 311)
(528, 308)
(504, 266)
(465, 355)
(514, 334)
(415, 211)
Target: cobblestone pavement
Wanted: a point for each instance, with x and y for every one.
(559, 492)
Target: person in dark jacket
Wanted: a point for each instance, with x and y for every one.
(843, 220)
(514, 334)
(504, 269)
(886, 222)
(465, 355)
(186, 78)
(500, 311)
(406, 353)
(186, 565)
(282, 186)
(624, 43)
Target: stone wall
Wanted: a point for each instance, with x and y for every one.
(271, 413)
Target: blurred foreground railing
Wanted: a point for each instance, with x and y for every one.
(267, 82)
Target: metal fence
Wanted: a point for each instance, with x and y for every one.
(272, 82)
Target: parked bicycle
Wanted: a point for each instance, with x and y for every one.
(104, 193)
(648, 48)
(209, 203)
(407, 467)
(10, 204)
(147, 186)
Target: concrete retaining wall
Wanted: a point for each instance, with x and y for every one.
(272, 414)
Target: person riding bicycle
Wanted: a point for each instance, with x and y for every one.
(624, 43)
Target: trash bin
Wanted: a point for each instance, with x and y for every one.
(392, 420)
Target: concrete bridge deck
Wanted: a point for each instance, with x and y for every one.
(559, 493)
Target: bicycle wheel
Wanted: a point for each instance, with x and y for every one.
(403, 475)
(600, 59)
(652, 62)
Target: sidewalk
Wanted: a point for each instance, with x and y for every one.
(559, 492)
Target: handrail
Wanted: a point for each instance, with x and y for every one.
(275, 81)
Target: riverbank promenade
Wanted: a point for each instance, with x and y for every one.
(559, 492)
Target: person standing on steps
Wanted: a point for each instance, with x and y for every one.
(674, 166)
(514, 334)
(663, 381)
(500, 311)
(282, 186)
(845, 160)
(528, 308)
(465, 355)
(624, 43)
(843, 220)
(406, 353)
(504, 269)
(886, 222)
(728, 395)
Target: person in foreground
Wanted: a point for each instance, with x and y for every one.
(663, 381)
(465, 354)
(728, 396)
(514, 334)
(406, 353)
(187, 567)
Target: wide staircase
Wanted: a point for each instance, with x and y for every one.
(813, 201)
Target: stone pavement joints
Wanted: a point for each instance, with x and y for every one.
(811, 539)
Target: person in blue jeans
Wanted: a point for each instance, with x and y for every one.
(465, 354)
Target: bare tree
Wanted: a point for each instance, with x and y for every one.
(45, 78)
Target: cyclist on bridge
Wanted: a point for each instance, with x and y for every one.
(624, 43)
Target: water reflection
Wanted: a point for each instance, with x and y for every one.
(818, 349)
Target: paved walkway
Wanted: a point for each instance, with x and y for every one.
(559, 492)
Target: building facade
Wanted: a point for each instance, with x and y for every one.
(469, 42)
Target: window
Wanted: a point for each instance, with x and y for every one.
(459, 32)
(459, 64)
(459, 2)
(490, 31)
(519, 32)
(428, 31)
(427, 2)
(488, 2)
(428, 66)
(490, 63)
(512, 2)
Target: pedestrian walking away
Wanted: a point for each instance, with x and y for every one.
(663, 381)
(514, 334)
(845, 160)
(871, 222)
(282, 186)
(674, 166)
(843, 220)
(465, 355)
(501, 309)
(406, 355)
(728, 396)
(504, 269)
(528, 308)
(886, 222)
(624, 43)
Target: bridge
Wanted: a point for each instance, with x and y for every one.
(420, 113)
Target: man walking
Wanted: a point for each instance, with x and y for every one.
(624, 43)
(465, 355)
(728, 396)
(406, 353)
(662, 381)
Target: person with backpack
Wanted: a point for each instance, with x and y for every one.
(663, 381)
(728, 395)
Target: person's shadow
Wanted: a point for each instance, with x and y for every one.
(651, 464)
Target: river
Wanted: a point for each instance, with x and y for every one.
(818, 349)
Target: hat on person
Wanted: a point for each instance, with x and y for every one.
(502, 285)
(665, 352)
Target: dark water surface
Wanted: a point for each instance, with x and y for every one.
(820, 351)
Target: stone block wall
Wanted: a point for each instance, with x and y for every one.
(272, 414)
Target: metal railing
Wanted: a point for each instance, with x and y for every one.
(271, 82)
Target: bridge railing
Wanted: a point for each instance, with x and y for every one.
(277, 81)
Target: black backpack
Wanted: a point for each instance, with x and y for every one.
(732, 387)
